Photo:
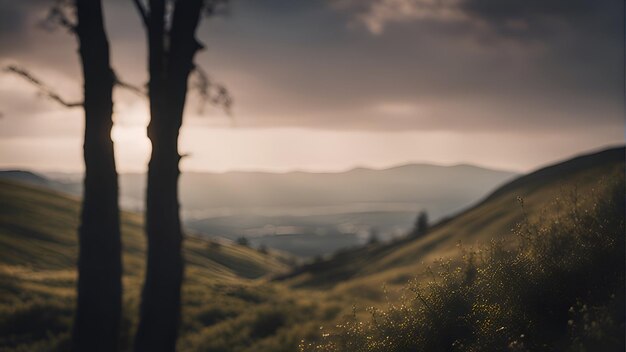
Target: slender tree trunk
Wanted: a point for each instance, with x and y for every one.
(160, 306)
(170, 63)
(98, 313)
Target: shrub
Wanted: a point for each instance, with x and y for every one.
(34, 321)
(242, 241)
(267, 322)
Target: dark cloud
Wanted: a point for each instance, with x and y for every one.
(540, 16)
(380, 64)
(521, 18)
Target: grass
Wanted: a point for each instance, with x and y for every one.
(224, 287)
(560, 287)
(228, 303)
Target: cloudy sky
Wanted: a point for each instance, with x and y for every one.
(333, 84)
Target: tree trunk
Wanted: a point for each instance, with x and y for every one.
(170, 63)
(160, 305)
(98, 313)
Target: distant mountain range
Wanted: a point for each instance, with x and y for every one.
(42, 180)
(573, 180)
(313, 208)
(439, 189)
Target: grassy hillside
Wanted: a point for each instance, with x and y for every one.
(495, 217)
(38, 230)
(228, 305)
(38, 250)
(557, 286)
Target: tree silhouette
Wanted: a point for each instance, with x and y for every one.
(99, 292)
(172, 45)
(96, 327)
(374, 237)
(242, 241)
(421, 224)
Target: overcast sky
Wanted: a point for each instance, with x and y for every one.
(333, 84)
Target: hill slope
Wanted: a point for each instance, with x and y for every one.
(224, 307)
(38, 251)
(493, 217)
(223, 310)
(38, 230)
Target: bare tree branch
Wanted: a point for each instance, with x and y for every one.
(211, 92)
(216, 7)
(131, 87)
(59, 15)
(143, 12)
(43, 88)
(137, 90)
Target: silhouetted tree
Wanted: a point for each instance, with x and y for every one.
(421, 224)
(373, 236)
(172, 45)
(99, 304)
(96, 327)
(242, 241)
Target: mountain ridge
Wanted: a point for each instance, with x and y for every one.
(492, 217)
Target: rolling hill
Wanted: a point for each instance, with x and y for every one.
(38, 252)
(38, 230)
(228, 304)
(529, 196)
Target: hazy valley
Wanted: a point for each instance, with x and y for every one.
(307, 214)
